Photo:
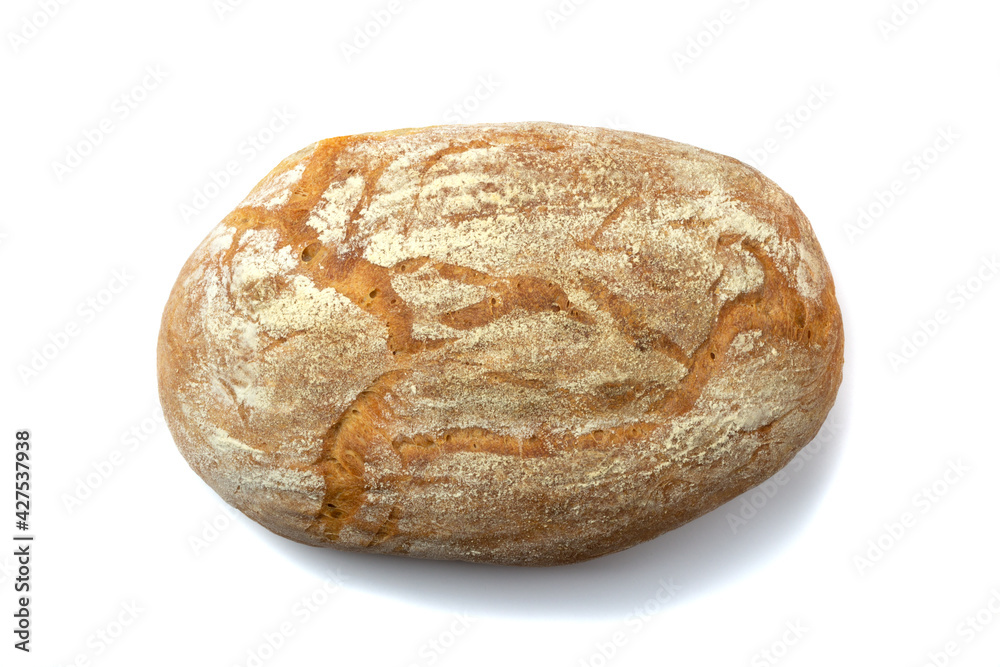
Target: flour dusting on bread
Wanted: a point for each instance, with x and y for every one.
(526, 343)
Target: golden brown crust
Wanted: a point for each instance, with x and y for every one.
(523, 344)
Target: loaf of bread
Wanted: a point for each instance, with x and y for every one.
(526, 344)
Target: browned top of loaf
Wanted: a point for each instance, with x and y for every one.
(382, 306)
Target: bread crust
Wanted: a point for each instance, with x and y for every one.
(526, 344)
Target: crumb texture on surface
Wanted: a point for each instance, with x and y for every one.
(523, 344)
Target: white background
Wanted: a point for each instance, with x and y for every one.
(125, 547)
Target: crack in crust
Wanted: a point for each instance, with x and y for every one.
(504, 295)
(360, 426)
